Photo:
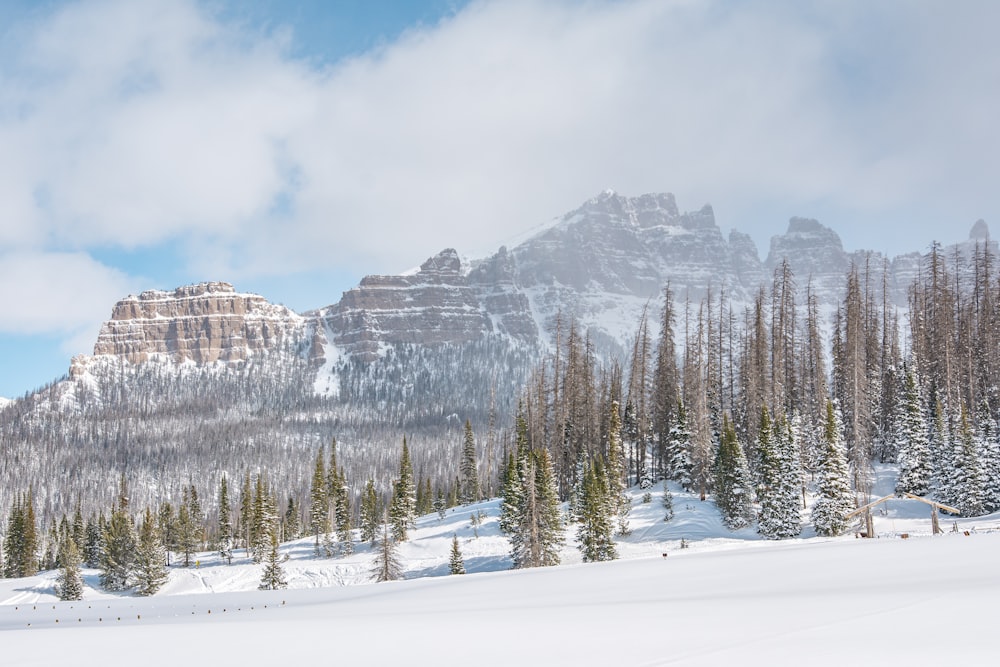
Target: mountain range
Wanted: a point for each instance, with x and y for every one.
(175, 372)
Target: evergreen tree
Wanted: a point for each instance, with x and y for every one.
(989, 454)
(967, 488)
(20, 547)
(732, 480)
(512, 493)
(342, 513)
(226, 539)
(264, 520)
(118, 555)
(273, 576)
(69, 583)
(402, 509)
(470, 490)
(94, 548)
(596, 516)
(187, 529)
(914, 448)
(779, 497)
(291, 525)
(319, 504)
(151, 557)
(678, 449)
(456, 564)
(621, 504)
(538, 535)
(835, 500)
(245, 520)
(79, 529)
(387, 566)
(668, 502)
(370, 513)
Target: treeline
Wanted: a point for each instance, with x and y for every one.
(167, 427)
(751, 404)
(134, 547)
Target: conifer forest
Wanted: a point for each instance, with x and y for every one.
(748, 405)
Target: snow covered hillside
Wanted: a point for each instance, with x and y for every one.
(727, 596)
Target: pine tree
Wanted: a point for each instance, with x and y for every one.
(538, 534)
(319, 504)
(678, 449)
(402, 509)
(273, 576)
(69, 583)
(779, 497)
(621, 504)
(118, 556)
(456, 564)
(264, 520)
(226, 538)
(370, 513)
(967, 488)
(151, 557)
(914, 455)
(341, 506)
(291, 526)
(187, 528)
(470, 491)
(596, 516)
(668, 502)
(387, 566)
(835, 500)
(17, 560)
(94, 548)
(732, 480)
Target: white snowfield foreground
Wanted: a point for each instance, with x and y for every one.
(929, 599)
(730, 598)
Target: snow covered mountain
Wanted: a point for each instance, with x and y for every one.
(175, 373)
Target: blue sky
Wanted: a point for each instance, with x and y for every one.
(292, 147)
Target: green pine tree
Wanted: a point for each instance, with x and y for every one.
(151, 557)
(319, 504)
(835, 500)
(402, 509)
(538, 535)
(914, 455)
(596, 516)
(456, 564)
(732, 480)
(273, 576)
(118, 555)
(69, 583)
(470, 490)
(621, 504)
(226, 538)
(370, 513)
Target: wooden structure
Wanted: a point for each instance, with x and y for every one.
(870, 524)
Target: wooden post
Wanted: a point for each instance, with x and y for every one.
(869, 523)
(935, 526)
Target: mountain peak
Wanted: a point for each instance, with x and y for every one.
(980, 231)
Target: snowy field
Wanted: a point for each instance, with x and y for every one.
(727, 598)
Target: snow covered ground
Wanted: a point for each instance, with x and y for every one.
(727, 597)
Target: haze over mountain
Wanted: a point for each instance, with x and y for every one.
(179, 372)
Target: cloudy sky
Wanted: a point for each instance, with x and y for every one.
(290, 147)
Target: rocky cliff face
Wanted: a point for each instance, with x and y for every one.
(440, 303)
(602, 264)
(203, 323)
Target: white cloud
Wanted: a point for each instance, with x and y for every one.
(66, 293)
(128, 124)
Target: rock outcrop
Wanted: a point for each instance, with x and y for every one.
(203, 323)
(602, 265)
